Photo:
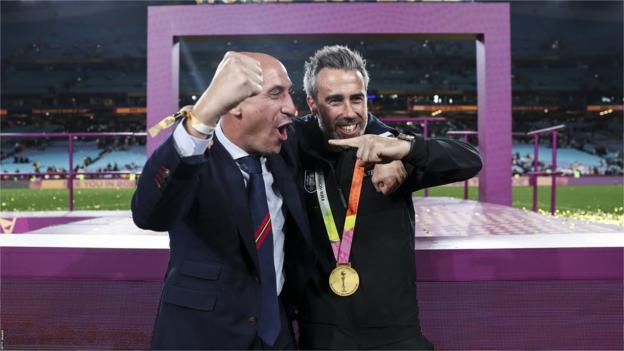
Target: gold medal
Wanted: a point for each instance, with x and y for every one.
(344, 280)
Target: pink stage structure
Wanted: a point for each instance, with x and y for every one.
(489, 276)
(485, 24)
(553, 161)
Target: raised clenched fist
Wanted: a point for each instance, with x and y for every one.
(237, 77)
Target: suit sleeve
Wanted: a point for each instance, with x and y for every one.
(440, 161)
(166, 189)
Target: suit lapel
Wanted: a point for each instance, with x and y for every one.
(234, 186)
(289, 191)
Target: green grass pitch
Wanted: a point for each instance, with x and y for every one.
(605, 198)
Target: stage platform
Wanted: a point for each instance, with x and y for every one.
(489, 277)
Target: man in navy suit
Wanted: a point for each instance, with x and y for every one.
(226, 285)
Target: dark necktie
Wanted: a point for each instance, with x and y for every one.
(269, 319)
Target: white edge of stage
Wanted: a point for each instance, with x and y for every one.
(161, 241)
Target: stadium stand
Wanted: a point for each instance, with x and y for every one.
(55, 78)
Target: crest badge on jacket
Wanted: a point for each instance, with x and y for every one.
(309, 181)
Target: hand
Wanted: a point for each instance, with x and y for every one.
(375, 149)
(237, 77)
(387, 178)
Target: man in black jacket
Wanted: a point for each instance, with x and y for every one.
(362, 293)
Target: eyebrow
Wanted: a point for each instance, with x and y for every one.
(340, 96)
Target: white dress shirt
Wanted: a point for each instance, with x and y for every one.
(188, 145)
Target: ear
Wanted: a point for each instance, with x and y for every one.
(312, 105)
(236, 111)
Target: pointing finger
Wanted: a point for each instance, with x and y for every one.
(345, 142)
(361, 163)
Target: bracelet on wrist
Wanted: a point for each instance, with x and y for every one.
(185, 112)
(194, 122)
(409, 138)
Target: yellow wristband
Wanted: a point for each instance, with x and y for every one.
(195, 122)
(185, 112)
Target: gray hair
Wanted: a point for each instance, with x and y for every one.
(336, 56)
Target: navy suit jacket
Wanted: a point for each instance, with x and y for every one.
(212, 285)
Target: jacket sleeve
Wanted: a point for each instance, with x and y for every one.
(166, 189)
(438, 161)
(376, 126)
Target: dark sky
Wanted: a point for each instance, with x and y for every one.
(584, 28)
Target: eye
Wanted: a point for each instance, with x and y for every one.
(276, 92)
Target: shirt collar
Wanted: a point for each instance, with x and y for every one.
(234, 150)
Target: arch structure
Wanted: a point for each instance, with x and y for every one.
(488, 24)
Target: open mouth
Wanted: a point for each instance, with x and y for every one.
(348, 130)
(283, 131)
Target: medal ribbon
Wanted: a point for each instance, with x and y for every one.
(341, 248)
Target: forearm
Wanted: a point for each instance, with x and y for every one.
(440, 161)
(205, 112)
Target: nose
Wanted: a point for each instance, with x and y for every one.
(289, 107)
(349, 111)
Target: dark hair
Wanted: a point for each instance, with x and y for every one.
(336, 56)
